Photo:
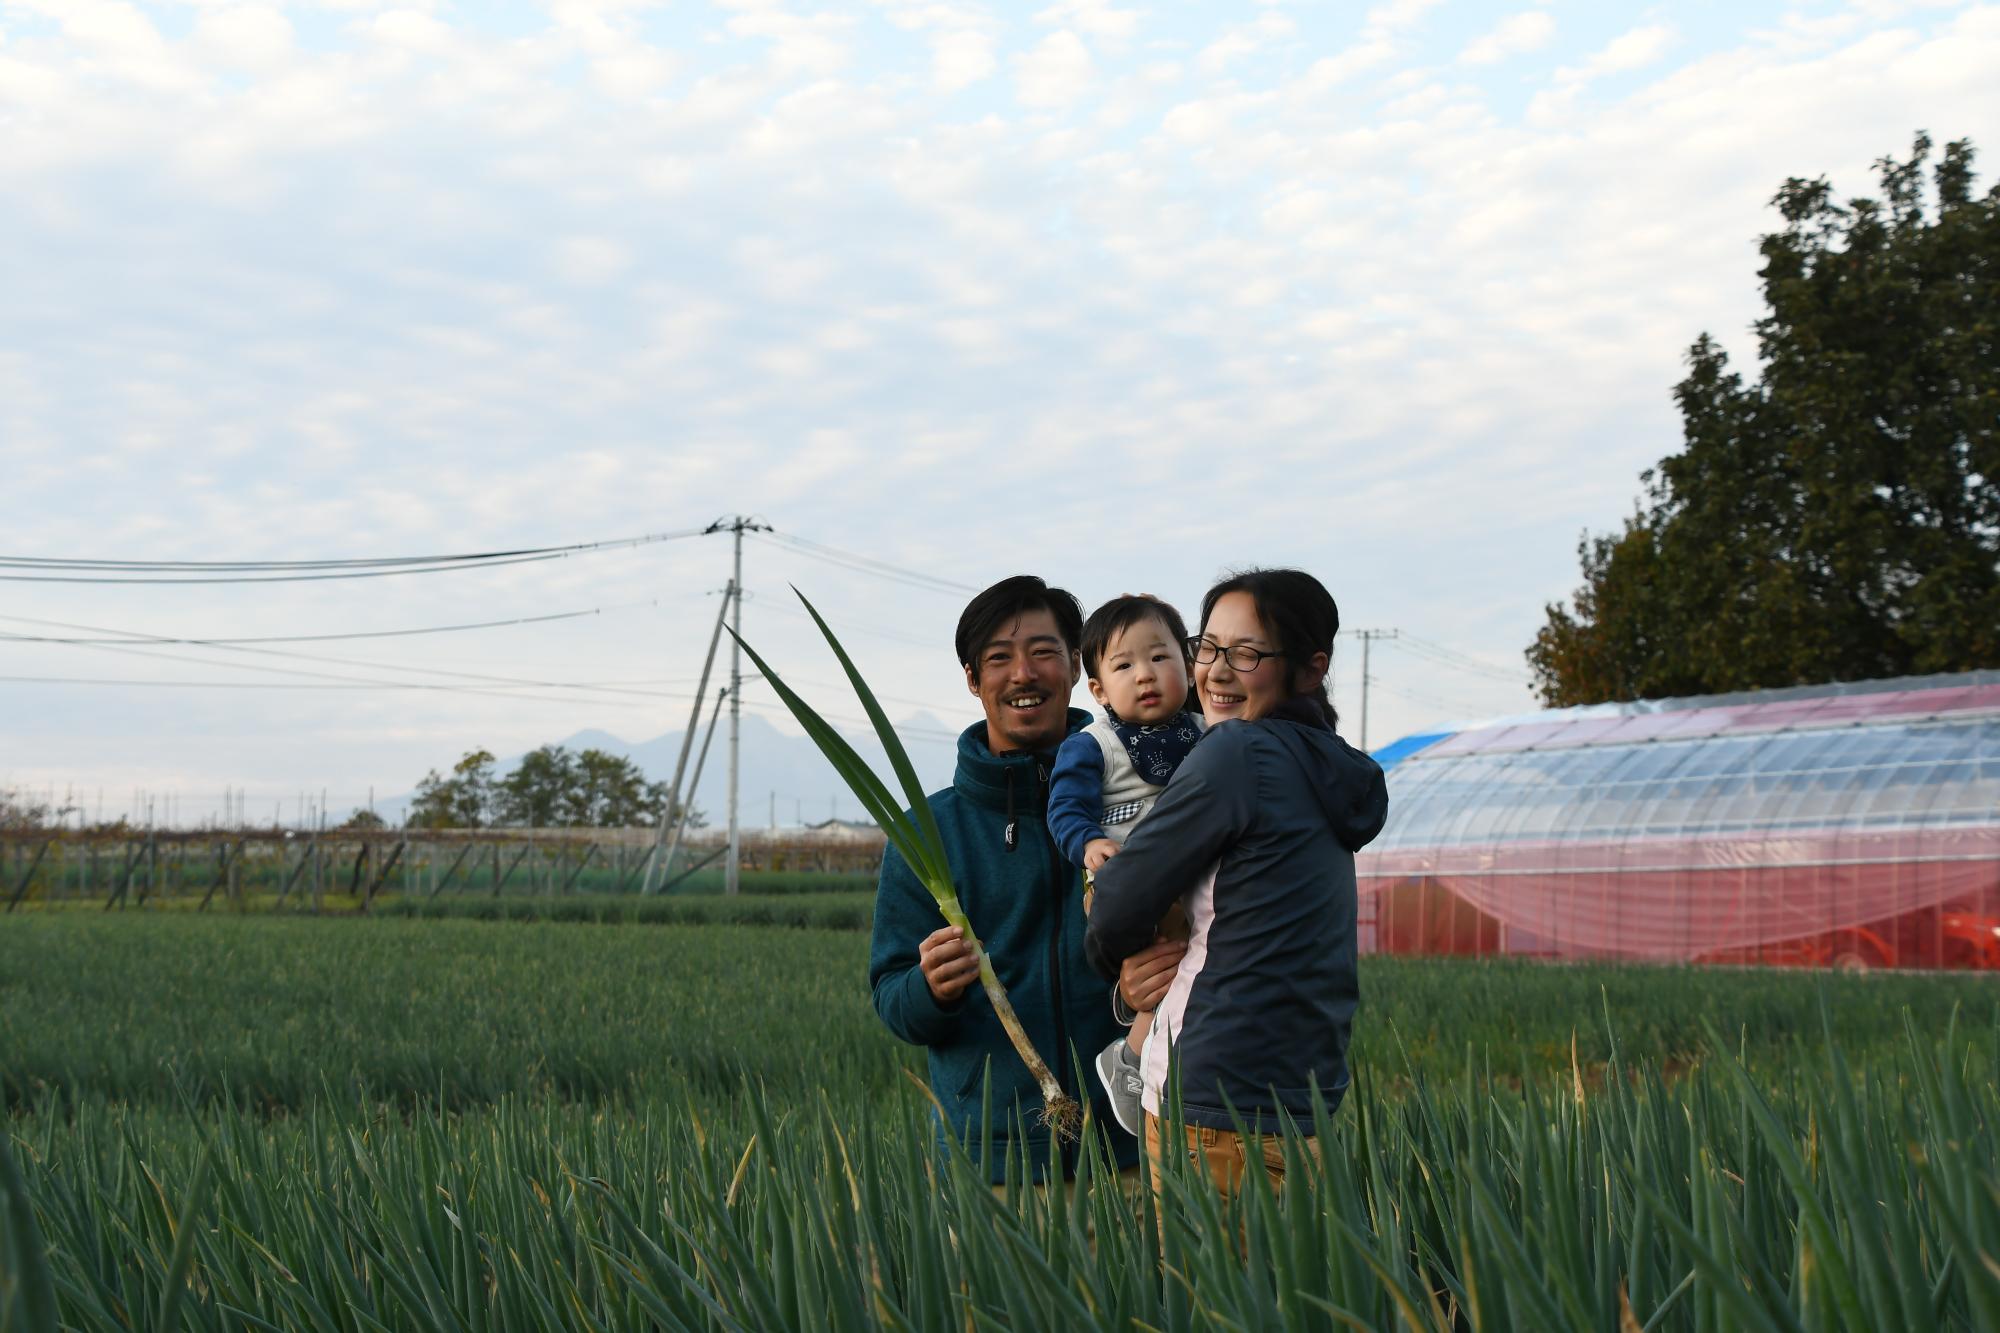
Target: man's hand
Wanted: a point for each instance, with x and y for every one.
(1097, 851)
(949, 964)
(1144, 978)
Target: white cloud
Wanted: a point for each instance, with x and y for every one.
(118, 40)
(1095, 18)
(802, 45)
(1360, 58)
(1515, 35)
(817, 116)
(1398, 15)
(251, 37)
(625, 66)
(411, 30)
(633, 76)
(1629, 51)
(591, 259)
(960, 59)
(1055, 73)
(1269, 26)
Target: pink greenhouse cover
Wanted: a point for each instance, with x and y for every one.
(1676, 898)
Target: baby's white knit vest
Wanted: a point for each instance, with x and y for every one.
(1123, 786)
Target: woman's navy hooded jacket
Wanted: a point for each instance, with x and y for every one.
(1277, 807)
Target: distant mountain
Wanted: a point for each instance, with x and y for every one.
(781, 774)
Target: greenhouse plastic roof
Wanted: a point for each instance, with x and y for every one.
(1911, 753)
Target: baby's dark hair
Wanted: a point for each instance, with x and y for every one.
(1120, 614)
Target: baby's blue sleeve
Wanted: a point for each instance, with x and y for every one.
(1076, 796)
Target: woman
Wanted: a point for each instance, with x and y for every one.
(1256, 836)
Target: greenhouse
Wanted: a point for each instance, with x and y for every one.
(1852, 825)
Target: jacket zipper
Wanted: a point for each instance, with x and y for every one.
(1059, 903)
(1013, 837)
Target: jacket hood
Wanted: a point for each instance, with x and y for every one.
(985, 778)
(1348, 785)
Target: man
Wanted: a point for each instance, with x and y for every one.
(1018, 644)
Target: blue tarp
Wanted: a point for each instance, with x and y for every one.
(1396, 751)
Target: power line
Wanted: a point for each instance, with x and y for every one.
(302, 638)
(277, 578)
(251, 566)
(771, 709)
(862, 564)
(1451, 657)
(846, 626)
(297, 571)
(362, 686)
(1430, 701)
(927, 706)
(132, 650)
(131, 638)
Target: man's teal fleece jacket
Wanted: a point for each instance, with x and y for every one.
(1026, 904)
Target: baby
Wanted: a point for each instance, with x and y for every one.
(1109, 774)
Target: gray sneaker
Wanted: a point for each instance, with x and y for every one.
(1118, 1071)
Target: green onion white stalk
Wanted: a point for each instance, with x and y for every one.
(915, 835)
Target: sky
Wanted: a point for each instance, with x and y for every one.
(1124, 294)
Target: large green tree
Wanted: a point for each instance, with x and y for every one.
(537, 793)
(1839, 518)
(612, 792)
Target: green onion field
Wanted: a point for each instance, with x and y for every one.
(632, 1122)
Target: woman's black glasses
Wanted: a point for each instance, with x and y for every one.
(1240, 656)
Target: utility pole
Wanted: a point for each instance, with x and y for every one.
(738, 525)
(1367, 637)
(660, 862)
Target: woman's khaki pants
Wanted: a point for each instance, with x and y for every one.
(1225, 1154)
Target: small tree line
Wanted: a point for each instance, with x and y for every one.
(551, 787)
(20, 811)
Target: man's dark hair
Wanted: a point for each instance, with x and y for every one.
(1007, 601)
(1298, 612)
(1119, 614)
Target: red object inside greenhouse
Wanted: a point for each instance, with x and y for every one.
(1857, 899)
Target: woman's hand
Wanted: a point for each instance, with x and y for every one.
(948, 962)
(1145, 977)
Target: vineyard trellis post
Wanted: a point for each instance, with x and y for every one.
(382, 873)
(21, 888)
(225, 864)
(437, 886)
(306, 853)
(589, 850)
(125, 874)
(501, 880)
